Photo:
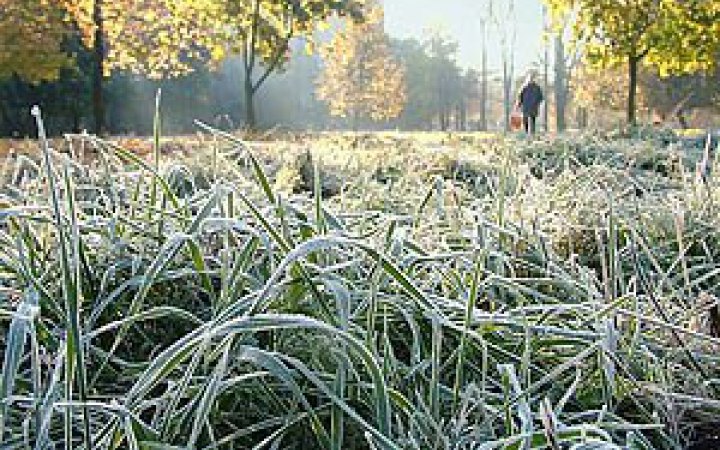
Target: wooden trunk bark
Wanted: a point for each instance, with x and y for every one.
(632, 90)
(561, 85)
(99, 63)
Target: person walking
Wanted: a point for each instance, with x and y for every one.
(529, 100)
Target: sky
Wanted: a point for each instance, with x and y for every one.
(460, 20)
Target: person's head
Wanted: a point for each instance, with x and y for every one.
(530, 77)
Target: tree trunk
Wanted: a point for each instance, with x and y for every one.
(76, 105)
(560, 85)
(99, 60)
(546, 83)
(507, 100)
(632, 90)
(355, 118)
(582, 117)
(7, 125)
(250, 118)
(484, 83)
(682, 120)
(76, 114)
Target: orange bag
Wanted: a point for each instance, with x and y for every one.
(516, 120)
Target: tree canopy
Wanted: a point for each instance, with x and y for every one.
(260, 32)
(159, 38)
(361, 78)
(31, 39)
(671, 36)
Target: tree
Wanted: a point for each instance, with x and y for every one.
(260, 32)
(675, 95)
(604, 89)
(156, 38)
(153, 37)
(504, 20)
(438, 90)
(567, 56)
(666, 97)
(468, 87)
(420, 107)
(484, 78)
(166, 38)
(38, 46)
(546, 65)
(561, 83)
(673, 36)
(361, 78)
(161, 38)
(444, 76)
(31, 40)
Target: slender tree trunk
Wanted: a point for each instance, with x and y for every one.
(560, 84)
(442, 106)
(6, 125)
(582, 117)
(6, 122)
(355, 118)
(76, 114)
(682, 120)
(355, 121)
(633, 63)
(546, 103)
(507, 101)
(250, 117)
(484, 82)
(249, 65)
(546, 83)
(76, 105)
(99, 62)
(508, 61)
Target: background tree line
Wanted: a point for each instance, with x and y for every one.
(411, 84)
(94, 64)
(48, 40)
(666, 48)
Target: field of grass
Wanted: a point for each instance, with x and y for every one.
(386, 291)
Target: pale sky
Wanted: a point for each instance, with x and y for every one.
(460, 19)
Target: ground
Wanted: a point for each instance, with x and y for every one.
(386, 290)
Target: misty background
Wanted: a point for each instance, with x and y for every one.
(449, 84)
(216, 96)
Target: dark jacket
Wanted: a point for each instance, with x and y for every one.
(530, 98)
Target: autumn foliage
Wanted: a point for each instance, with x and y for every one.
(31, 34)
(670, 36)
(361, 79)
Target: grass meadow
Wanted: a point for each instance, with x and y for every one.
(341, 291)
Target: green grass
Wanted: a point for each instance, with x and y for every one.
(401, 291)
